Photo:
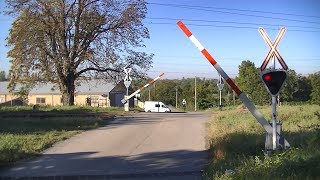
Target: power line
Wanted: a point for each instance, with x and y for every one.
(238, 58)
(236, 9)
(228, 12)
(224, 65)
(229, 22)
(213, 73)
(228, 26)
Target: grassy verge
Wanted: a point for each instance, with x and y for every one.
(25, 137)
(236, 143)
(60, 109)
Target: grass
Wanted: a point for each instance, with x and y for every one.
(65, 109)
(236, 142)
(25, 137)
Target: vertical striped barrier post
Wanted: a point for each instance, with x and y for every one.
(235, 88)
(141, 88)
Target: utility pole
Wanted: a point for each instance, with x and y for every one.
(176, 97)
(149, 94)
(154, 95)
(234, 98)
(195, 94)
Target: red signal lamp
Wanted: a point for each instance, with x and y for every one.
(273, 80)
(267, 77)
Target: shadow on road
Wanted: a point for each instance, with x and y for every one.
(147, 118)
(89, 165)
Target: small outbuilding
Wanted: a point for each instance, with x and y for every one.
(118, 93)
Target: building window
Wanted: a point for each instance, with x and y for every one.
(94, 100)
(40, 100)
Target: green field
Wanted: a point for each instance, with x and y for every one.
(24, 133)
(236, 142)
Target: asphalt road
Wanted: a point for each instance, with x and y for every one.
(139, 146)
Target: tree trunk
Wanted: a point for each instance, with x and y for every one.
(68, 98)
(68, 92)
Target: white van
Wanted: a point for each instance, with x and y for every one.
(155, 106)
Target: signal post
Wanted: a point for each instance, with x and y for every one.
(273, 81)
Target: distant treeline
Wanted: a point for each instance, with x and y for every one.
(297, 89)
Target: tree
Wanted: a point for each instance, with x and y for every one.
(62, 41)
(250, 83)
(290, 87)
(3, 76)
(315, 87)
(166, 91)
(304, 89)
(206, 90)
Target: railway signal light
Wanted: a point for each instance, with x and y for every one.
(273, 80)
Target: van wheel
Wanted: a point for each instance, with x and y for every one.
(149, 111)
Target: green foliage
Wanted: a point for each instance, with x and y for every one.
(59, 109)
(304, 89)
(250, 83)
(315, 87)
(296, 89)
(205, 103)
(237, 141)
(3, 76)
(290, 87)
(165, 90)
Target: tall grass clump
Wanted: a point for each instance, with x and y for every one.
(236, 142)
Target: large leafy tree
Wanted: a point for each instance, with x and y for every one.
(206, 92)
(249, 82)
(291, 87)
(62, 41)
(315, 87)
(3, 76)
(304, 89)
(166, 91)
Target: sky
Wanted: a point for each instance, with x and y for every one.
(228, 29)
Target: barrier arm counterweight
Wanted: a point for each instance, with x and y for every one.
(240, 94)
(141, 88)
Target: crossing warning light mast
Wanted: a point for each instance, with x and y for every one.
(273, 81)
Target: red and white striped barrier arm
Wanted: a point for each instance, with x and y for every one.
(143, 87)
(241, 95)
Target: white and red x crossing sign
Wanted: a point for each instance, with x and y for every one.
(273, 51)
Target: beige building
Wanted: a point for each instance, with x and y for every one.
(92, 93)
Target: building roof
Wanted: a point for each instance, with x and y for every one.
(95, 86)
(120, 87)
(3, 87)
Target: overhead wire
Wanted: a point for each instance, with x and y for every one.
(237, 58)
(242, 10)
(230, 26)
(211, 9)
(229, 22)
